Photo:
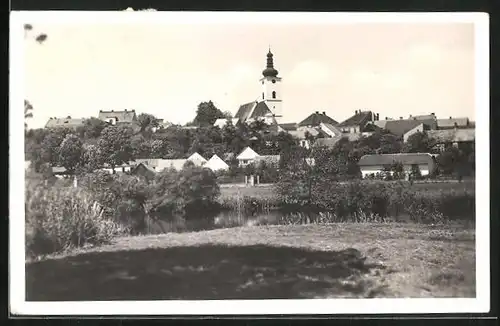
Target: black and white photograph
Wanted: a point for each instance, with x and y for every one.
(248, 163)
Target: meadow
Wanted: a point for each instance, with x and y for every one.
(264, 262)
(255, 246)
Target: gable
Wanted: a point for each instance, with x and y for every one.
(316, 119)
(245, 110)
(247, 153)
(260, 110)
(359, 119)
(400, 127)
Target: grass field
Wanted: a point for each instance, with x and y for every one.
(308, 261)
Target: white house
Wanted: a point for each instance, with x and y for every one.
(374, 164)
(246, 157)
(197, 159)
(215, 163)
(223, 121)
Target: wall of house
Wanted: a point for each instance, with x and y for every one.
(419, 128)
(425, 169)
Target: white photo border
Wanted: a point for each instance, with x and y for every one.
(18, 304)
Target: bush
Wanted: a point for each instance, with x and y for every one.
(58, 218)
(347, 201)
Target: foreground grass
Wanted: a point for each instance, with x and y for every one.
(308, 261)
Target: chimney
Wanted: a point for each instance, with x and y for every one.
(69, 117)
(386, 118)
(112, 110)
(378, 116)
(324, 113)
(100, 110)
(125, 110)
(411, 116)
(317, 112)
(400, 118)
(450, 118)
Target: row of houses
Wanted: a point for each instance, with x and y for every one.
(146, 166)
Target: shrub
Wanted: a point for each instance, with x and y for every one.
(58, 218)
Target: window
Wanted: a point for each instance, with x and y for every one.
(274, 94)
(262, 95)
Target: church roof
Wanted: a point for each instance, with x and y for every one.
(270, 71)
(252, 110)
(316, 119)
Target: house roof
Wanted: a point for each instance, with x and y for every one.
(144, 166)
(431, 116)
(64, 122)
(316, 118)
(260, 110)
(381, 123)
(216, 163)
(161, 164)
(300, 133)
(358, 119)
(245, 110)
(195, 157)
(388, 159)
(288, 126)
(223, 121)
(247, 153)
(450, 123)
(120, 116)
(331, 142)
(330, 129)
(401, 127)
(453, 135)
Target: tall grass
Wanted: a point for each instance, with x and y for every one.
(59, 218)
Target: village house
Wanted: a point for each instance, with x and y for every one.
(221, 123)
(144, 170)
(176, 164)
(215, 163)
(453, 137)
(429, 120)
(118, 117)
(317, 118)
(249, 156)
(356, 124)
(67, 122)
(452, 123)
(332, 141)
(376, 164)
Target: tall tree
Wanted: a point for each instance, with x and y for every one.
(146, 122)
(70, 153)
(28, 113)
(206, 114)
(114, 145)
(419, 142)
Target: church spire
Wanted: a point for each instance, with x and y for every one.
(270, 71)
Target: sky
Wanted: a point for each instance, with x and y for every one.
(394, 69)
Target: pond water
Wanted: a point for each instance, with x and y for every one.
(224, 219)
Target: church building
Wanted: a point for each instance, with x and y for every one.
(268, 106)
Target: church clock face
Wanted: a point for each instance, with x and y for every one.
(274, 81)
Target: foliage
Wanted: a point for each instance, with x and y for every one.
(419, 142)
(91, 128)
(189, 193)
(70, 153)
(114, 145)
(146, 122)
(59, 218)
(206, 114)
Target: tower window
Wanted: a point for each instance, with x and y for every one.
(274, 81)
(262, 95)
(274, 94)
(262, 82)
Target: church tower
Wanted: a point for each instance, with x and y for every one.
(271, 88)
